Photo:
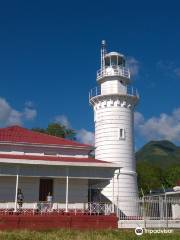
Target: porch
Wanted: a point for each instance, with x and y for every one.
(74, 188)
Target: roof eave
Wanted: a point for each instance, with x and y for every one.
(88, 147)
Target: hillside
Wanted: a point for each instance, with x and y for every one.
(159, 153)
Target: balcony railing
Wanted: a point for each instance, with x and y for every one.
(114, 71)
(131, 91)
(89, 208)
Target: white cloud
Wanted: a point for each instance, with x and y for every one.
(133, 65)
(85, 136)
(30, 113)
(163, 127)
(5, 110)
(10, 116)
(14, 118)
(62, 119)
(169, 67)
(138, 118)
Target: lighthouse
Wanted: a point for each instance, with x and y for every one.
(113, 102)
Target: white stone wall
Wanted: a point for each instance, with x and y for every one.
(110, 118)
(113, 113)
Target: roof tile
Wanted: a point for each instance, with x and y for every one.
(19, 134)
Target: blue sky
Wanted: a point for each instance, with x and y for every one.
(50, 51)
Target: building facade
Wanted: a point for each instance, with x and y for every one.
(39, 164)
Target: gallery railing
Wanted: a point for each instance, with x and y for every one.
(96, 91)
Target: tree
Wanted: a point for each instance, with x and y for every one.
(58, 130)
(70, 134)
(149, 177)
(41, 130)
(171, 175)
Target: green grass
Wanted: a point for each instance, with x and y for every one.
(83, 235)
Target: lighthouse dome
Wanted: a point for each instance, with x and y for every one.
(114, 54)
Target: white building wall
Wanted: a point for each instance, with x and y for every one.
(7, 189)
(30, 188)
(114, 119)
(113, 87)
(78, 190)
(111, 115)
(109, 145)
(43, 151)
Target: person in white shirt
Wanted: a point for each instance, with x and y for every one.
(49, 197)
(49, 200)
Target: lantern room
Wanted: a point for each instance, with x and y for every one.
(114, 59)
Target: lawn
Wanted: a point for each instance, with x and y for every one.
(83, 235)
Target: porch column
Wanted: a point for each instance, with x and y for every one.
(118, 190)
(67, 190)
(113, 194)
(16, 192)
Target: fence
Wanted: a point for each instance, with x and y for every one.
(90, 208)
(159, 211)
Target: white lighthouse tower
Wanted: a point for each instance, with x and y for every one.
(113, 102)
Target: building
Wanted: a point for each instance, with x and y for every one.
(40, 164)
(113, 102)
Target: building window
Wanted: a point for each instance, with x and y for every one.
(94, 116)
(121, 133)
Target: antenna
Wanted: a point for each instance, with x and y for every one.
(103, 52)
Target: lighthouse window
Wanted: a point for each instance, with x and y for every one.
(107, 61)
(113, 60)
(121, 133)
(119, 61)
(94, 116)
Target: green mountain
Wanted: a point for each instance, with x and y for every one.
(159, 153)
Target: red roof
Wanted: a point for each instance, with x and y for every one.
(18, 134)
(52, 158)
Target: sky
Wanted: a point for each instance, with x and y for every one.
(50, 52)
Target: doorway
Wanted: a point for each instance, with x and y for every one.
(45, 186)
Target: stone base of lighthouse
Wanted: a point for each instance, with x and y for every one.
(123, 193)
